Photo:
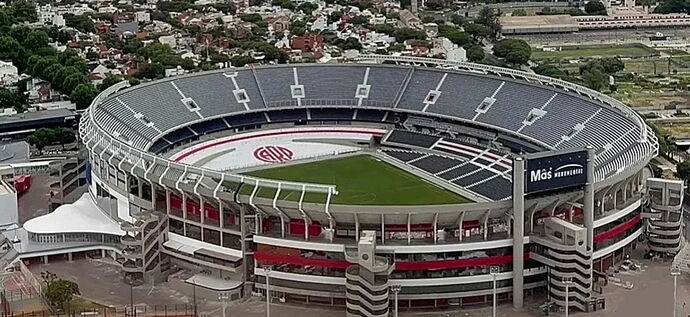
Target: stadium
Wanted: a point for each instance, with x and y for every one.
(389, 177)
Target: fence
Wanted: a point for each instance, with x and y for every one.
(186, 310)
(30, 278)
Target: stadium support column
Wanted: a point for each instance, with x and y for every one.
(588, 208)
(518, 231)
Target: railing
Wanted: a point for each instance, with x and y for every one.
(120, 311)
(93, 136)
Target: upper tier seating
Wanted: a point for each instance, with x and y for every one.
(147, 112)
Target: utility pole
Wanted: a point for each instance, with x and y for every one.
(675, 272)
(129, 280)
(567, 281)
(267, 270)
(194, 296)
(494, 271)
(224, 297)
(396, 289)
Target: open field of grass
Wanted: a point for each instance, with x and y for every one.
(678, 130)
(80, 304)
(636, 100)
(648, 66)
(360, 180)
(675, 52)
(576, 52)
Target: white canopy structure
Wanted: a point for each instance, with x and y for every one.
(82, 216)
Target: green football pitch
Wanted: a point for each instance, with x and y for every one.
(360, 180)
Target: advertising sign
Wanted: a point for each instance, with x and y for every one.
(557, 171)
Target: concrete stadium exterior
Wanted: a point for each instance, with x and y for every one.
(434, 113)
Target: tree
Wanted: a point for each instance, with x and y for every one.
(42, 64)
(42, 138)
(478, 31)
(285, 4)
(546, 11)
(66, 136)
(298, 31)
(83, 95)
(35, 40)
(595, 7)
(363, 4)
(612, 65)
(155, 50)
(92, 56)
(151, 71)
(427, 19)
(20, 32)
(519, 13)
(475, 53)
(489, 18)
(58, 292)
(454, 34)
(50, 73)
(6, 20)
(61, 36)
(515, 51)
(435, 4)
(518, 57)
(109, 81)
(308, 7)
(608, 65)
(551, 71)
(503, 47)
(241, 60)
(671, 6)
(61, 77)
(273, 53)
(23, 11)
(133, 81)
(76, 62)
(351, 44)
(457, 19)
(595, 79)
(359, 20)
(383, 28)
(9, 99)
(404, 34)
(72, 81)
(683, 171)
(80, 22)
(335, 16)
(225, 7)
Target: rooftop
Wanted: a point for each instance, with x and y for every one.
(38, 115)
(82, 216)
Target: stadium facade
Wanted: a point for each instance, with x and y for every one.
(460, 126)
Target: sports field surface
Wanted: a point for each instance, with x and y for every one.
(584, 51)
(360, 180)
